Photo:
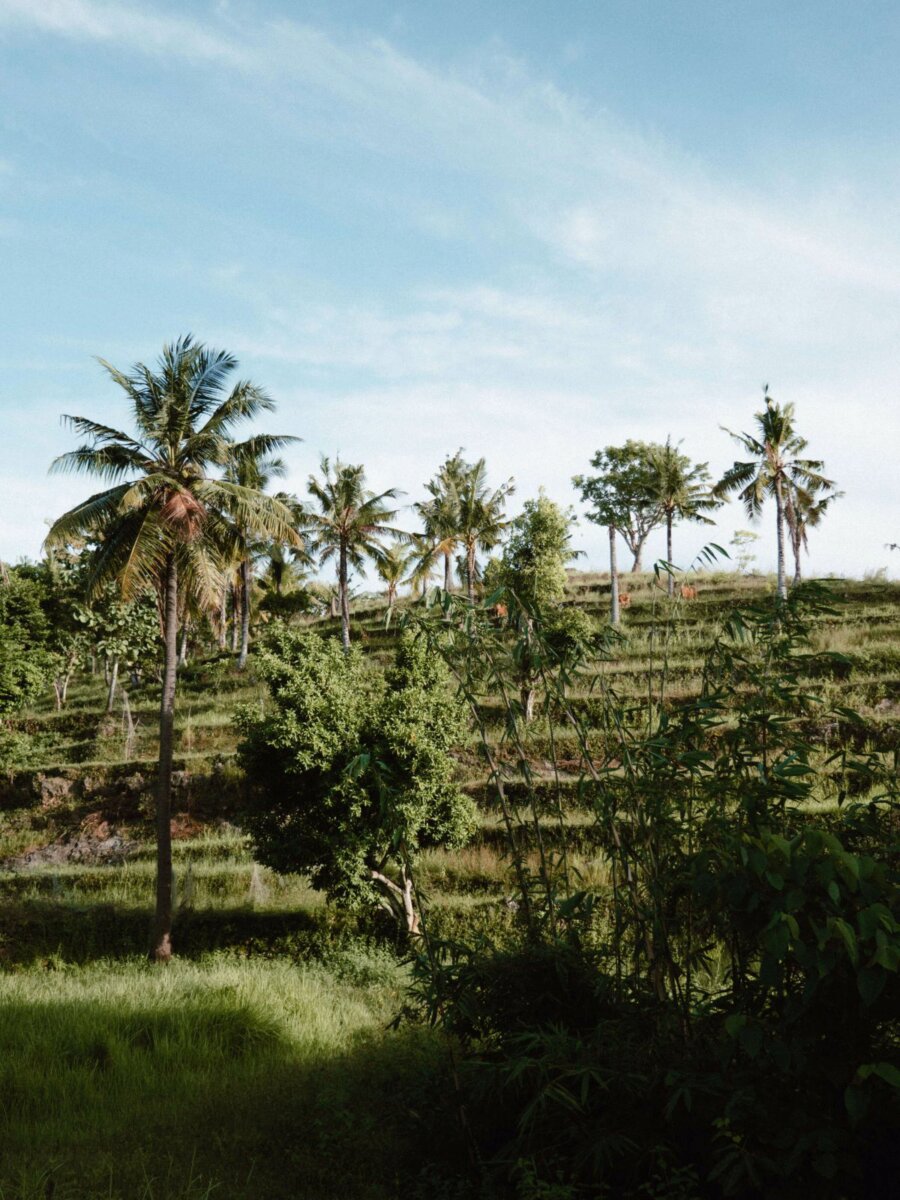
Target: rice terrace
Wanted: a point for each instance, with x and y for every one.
(449, 737)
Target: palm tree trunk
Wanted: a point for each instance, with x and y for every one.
(235, 609)
(797, 572)
(779, 518)
(183, 650)
(671, 584)
(470, 571)
(344, 598)
(613, 577)
(113, 680)
(161, 949)
(245, 614)
(448, 571)
(223, 618)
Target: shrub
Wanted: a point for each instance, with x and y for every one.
(350, 774)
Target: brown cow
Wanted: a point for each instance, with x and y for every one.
(688, 591)
(624, 599)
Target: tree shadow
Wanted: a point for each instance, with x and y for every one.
(36, 931)
(213, 1099)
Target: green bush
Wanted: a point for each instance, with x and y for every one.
(351, 774)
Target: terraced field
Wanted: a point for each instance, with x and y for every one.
(75, 828)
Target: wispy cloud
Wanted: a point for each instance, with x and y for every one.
(615, 284)
(124, 24)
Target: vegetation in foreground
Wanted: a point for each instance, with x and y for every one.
(216, 1078)
(600, 1046)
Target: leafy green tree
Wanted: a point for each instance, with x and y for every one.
(534, 559)
(620, 499)
(350, 525)
(350, 773)
(682, 491)
(533, 568)
(623, 494)
(774, 469)
(124, 632)
(161, 524)
(480, 516)
(26, 653)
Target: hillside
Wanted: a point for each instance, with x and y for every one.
(75, 826)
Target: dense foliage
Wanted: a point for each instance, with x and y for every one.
(350, 774)
(721, 1017)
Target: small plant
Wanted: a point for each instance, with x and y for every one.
(743, 542)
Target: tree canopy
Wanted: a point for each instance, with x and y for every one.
(623, 495)
(350, 773)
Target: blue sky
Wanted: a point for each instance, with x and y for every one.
(528, 229)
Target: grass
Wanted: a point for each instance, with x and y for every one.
(260, 1064)
(218, 1078)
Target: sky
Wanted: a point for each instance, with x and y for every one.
(528, 229)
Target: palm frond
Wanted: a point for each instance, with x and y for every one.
(88, 517)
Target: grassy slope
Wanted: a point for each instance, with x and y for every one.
(227, 898)
(244, 1075)
(223, 1078)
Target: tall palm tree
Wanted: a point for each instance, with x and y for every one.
(440, 514)
(480, 516)
(161, 524)
(775, 468)
(804, 510)
(349, 526)
(681, 489)
(252, 465)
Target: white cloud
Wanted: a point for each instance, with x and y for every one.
(123, 24)
(635, 292)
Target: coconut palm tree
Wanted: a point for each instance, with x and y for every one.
(392, 569)
(252, 465)
(441, 535)
(349, 526)
(161, 524)
(804, 510)
(423, 564)
(480, 515)
(773, 470)
(681, 489)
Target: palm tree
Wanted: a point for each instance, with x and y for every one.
(480, 516)
(804, 510)
(681, 489)
(774, 470)
(392, 567)
(161, 524)
(440, 515)
(349, 526)
(284, 566)
(252, 465)
(423, 563)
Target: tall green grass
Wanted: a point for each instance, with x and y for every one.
(220, 1078)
